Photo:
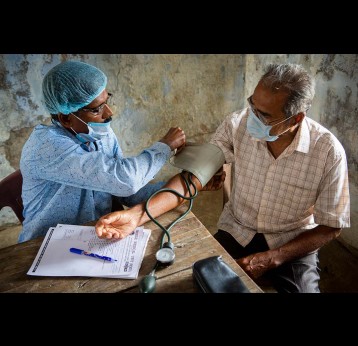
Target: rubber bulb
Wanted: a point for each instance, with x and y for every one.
(147, 284)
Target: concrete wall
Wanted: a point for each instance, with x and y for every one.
(155, 92)
(152, 94)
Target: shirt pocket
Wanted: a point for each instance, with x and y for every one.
(300, 196)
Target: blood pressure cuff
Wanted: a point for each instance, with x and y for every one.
(203, 160)
(213, 275)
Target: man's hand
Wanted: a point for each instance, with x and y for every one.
(216, 182)
(175, 138)
(257, 264)
(117, 225)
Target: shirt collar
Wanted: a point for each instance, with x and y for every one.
(301, 141)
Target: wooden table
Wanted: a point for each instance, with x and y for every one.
(192, 242)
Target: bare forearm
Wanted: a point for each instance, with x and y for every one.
(257, 264)
(305, 243)
(165, 201)
(119, 224)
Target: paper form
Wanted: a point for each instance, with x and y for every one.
(55, 259)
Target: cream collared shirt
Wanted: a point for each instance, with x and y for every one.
(306, 186)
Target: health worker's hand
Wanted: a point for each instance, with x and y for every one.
(175, 138)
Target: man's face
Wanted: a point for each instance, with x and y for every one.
(268, 107)
(98, 111)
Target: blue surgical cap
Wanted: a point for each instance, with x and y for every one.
(71, 85)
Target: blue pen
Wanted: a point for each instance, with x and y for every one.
(91, 254)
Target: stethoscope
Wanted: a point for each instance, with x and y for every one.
(165, 255)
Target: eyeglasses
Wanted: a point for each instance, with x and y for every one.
(262, 117)
(99, 110)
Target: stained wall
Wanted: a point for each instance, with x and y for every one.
(194, 91)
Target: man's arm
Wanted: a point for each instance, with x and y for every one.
(257, 264)
(119, 224)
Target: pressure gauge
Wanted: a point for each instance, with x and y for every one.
(166, 254)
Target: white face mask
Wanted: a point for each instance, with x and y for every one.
(259, 130)
(95, 130)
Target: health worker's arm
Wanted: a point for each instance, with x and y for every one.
(60, 159)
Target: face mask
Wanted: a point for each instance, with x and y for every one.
(259, 130)
(95, 131)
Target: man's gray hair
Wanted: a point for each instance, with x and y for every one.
(293, 79)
